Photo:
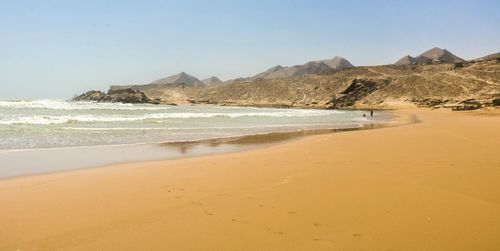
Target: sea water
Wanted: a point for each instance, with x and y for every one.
(39, 136)
(55, 124)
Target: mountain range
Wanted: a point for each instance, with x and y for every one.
(312, 67)
(186, 80)
(435, 77)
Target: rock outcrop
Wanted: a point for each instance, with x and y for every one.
(126, 95)
(90, 96)
(356, 91)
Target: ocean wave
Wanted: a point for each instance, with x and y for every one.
(154, 117)
(193, 128)
(77, 105)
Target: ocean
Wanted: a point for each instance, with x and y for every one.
(38, 136)
(52, 123)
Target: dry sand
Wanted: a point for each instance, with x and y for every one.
(433, 185)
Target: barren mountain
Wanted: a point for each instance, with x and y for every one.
(315, 84)
(406, 60)
(374, 86)
(313, 67)
(212, 81)
(337, 63)
(300, 70)
(268, 72)
(433, 55)
(181, 78)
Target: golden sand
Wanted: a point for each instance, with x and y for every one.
(433, 185)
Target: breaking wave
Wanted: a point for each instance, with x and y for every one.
(153, 117)
(76, 105)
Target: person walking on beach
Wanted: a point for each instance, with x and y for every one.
(371, 113)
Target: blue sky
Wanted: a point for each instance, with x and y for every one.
(55, 49)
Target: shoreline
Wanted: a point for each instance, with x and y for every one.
(160, 151)
(431, 185)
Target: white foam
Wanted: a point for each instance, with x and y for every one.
(77, 105)
(153, 117)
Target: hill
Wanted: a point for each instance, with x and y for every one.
(317, 85)
(375, 86)
(337, 63)
(406, 60)
(312, 67)
(212, 81)
(181, 78)
(494, 56)
(434, 55)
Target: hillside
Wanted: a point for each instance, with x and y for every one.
(394, 86)
(316, 84)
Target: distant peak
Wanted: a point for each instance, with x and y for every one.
(435, 54)
(212, 80)
(337, 62)
(180, 78)
(277, 67)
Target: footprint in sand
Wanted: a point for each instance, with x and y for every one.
(197, 203)
(321, 239)
(240, 221)
(275, 232)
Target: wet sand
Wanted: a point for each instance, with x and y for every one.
(433, 185)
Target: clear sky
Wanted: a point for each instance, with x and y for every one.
(55, 49)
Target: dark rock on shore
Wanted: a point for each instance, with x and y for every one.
(357, 90)
(126, 95)
(429, 102)
(496, 102)
(90, 96)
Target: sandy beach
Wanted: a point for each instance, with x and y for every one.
(432, 185)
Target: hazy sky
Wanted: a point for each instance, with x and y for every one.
(55, 49)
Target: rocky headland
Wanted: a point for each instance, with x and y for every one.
(127, 95)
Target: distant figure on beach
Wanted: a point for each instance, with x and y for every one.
(371, 113)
